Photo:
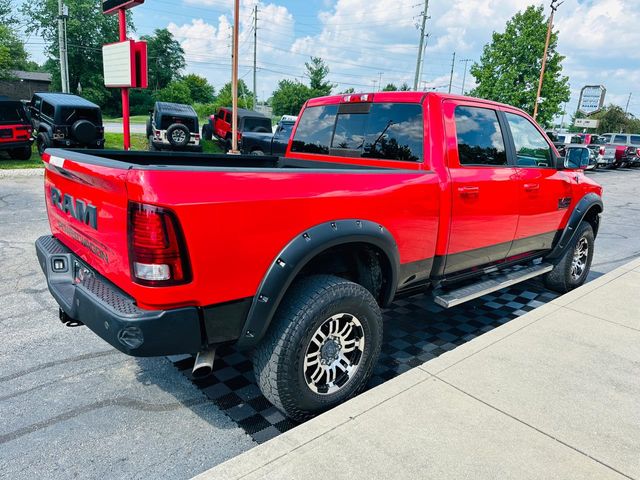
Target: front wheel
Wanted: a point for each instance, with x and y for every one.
(573, 268)
(23, 153)
(321, 347)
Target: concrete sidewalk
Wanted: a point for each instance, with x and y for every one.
(552, 394)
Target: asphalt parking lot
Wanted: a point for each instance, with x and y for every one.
(71, 406)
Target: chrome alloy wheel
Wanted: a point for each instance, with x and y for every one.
(334, 354)
(580, 256)
(178, 136)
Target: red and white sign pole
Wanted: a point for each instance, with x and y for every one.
(126, 127)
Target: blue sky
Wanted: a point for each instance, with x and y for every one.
(365, 41)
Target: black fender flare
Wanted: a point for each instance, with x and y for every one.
(584, 206)
(302, 249)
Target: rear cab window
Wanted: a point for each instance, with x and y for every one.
(251, 124)
(12, 112)
(389, 131)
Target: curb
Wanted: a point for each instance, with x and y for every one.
(261, 456)
(21, 172)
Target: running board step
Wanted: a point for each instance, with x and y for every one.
(461, 295)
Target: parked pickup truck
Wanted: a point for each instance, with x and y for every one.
(378, 196)
(257, 143)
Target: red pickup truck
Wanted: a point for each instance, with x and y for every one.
(378, 196)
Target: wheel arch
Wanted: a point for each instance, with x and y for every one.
(589, 209)
(301, 252)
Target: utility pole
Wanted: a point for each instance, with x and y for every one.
(453, 62)
(464, 76)
(379, 81)
(255, 54)
(626, 108)
(554, 7)
(420, 47)
(234, 80)
(62, 47)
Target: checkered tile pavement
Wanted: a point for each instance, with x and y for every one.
(416, 330)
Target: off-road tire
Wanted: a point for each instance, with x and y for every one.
(149, 128)
(207, 133)
(560, 278)
(42, 142)
(258, 152)
(278, 360)
(185, 138)
(22, 153)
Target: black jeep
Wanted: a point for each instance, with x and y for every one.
(65, 120)
(173, 126)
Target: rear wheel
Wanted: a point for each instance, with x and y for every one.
(257, 152)
(573, 268)
(42, 142)
(321, 347)
(207, 134)
(149, 128)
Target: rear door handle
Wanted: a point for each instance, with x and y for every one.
(531, 187)
(469, 190)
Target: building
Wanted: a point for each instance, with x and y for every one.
(25, 84)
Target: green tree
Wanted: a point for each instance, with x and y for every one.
(12, 53)
(613, 119)
(405, 87)
(165, 57)
(289, 97)
(245, 97)
(349, 90)
(175, 92)
(87, 31)
(317, 71)
(201, 90)
(6, 13)
(510, 65)
(390, 87)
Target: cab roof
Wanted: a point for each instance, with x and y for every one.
(66, 100)
(175, 108)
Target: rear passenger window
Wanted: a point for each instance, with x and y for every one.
(315, 130)
(620, 139)
(47, 109)
(532, 150)
(634, 140)
(480, 140)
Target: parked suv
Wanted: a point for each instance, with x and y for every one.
(64, 120)
(173, 126)
(219, 125)
(616, 146)
(15, 130)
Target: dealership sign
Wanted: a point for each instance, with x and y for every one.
(125, 64)
(591, 98)
(112, 6)
(586, 123)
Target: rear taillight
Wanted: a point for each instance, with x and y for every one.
(157, 250)
(638, 152)
(602, 149)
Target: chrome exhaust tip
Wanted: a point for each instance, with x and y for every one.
(204, 363)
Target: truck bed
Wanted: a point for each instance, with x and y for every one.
(187, 160)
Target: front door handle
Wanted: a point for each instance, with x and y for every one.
(531, 187)
(469, 190)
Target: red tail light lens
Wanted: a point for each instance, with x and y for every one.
(602, 149)
(157, 250)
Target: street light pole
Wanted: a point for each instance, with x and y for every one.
(554, 7)
(234, 80)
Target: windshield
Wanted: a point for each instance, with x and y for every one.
(12, 112)
(257, 124)
(70, 115)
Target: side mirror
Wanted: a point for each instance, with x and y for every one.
(576, 158)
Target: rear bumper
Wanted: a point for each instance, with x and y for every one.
(160, 145)
(12, 145)
(70, 143)
(113, 315)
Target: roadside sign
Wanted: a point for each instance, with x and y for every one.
(112, 6)
(125, 64)
(586, 123)
(591, 98)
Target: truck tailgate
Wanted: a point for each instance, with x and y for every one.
(87, 209)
